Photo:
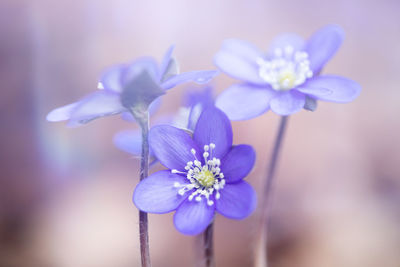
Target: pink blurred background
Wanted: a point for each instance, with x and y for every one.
(65, 194)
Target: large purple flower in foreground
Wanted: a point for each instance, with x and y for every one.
(286, 78)
(128, 88)
(204, 177)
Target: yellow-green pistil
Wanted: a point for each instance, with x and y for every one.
(205, 179)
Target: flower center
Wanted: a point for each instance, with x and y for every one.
(286, 69)
(205, 179)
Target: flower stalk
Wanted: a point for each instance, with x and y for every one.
(142, 117)
(206, 259)
(267, 191)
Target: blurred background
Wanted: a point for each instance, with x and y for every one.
(65, 194)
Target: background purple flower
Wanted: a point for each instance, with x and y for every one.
(204, 177)
(127, 86)
(286, 78)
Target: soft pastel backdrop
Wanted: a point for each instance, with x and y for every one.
(65, 194)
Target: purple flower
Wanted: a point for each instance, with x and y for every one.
(128, 87)
(204, 177)
(286, 78)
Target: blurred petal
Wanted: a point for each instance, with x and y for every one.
(194, 115)
(238, 163)
(140, 92)
(193, 217)
(137, 67)
(172, 146)
(62, 113)
(204, 96)
(214, 126)
(322, 45)
(234, 65)
(99, 104)
(198, 100)
(284, 40)
(201, 76)
(181, 118)
(166, 61)
(130, 141)
(244, 101)
(314, 91)
(342, 90)
(157, 193)
(111, 79)
(171, 71)
(287, 103)
(242, 49)
(237, 200)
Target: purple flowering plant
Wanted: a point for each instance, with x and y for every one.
(129, 88)
(205, 171)
(205, 174)
(286, 78)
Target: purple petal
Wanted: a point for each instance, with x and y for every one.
(99, 104)
(198, 101)
(62, 113)
(234, 65)
(214, 126)
(287, 103)
(238, 163)
(314, 91)
(341, 90)
(322, 45)
(244, 101)
(137, 67)
(204, 96)
(111, 79)
(242, 49)
(166, 61)
(172, 146)
(130, 141)
(157, 193)
(237, 200)
(200, 77)
(284, 40)
(193, 217)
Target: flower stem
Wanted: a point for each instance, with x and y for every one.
(263, 257)
(143, 120)
(207, 249)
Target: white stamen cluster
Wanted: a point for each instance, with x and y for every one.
(286, 70)
(206, 179)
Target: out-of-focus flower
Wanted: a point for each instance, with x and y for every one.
(186, 118)
(128, 87)
(204, 177)
(285, 79)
